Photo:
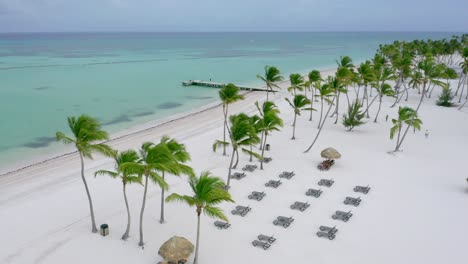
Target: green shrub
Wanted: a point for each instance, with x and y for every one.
(354, 116)
(445, 98)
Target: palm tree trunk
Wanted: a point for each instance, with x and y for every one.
(250, 159)
(294, 127)
(237, 159)
(422, 97)
(321, 112)
(461, 93)
(93, 221)
(127, 231)
(263, 152)
(230, 168)
(161, 219)
(197, 244)
(311, 103)
(141, 244)
(224, 128)
(378, 111)
(398, 139)
(337, 107)
(369, 105)
(261, 140)
(402, 138)
(466, 100)
(321, 126)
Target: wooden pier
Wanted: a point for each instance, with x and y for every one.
(219, 85)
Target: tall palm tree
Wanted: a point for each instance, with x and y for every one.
(207, 193)
(86, 132)
(333, 84)
(366, 76)
(315, 80)
(297, 83)
(269, 121)
(325, 91)
(408, 116)
(271, 78)
(153, 160)
(344, 74)
(299, 103)
(180, 156)
(383, 90)
(228, 94)
(242, 135)
(430, 72)
(127, 176)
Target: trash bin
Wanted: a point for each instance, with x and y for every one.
(267, 147)
(104, 230)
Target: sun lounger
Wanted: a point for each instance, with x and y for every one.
(328, 232)
(287, 175)
(343, 216)
(241, 210)
(352, 201)
(222, 225)
(238, 175)
(328, 229)
(273, 184)
(300, 206)
(257, 195)
(314, 193)
(267, 159)
(283, 221)
(249, 168)
(362, 189)
(326, 183)
(261, 244)
(269, 239)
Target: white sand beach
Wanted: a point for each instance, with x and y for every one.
(414, 213)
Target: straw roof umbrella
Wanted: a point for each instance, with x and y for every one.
(330, 153)
(176, 249)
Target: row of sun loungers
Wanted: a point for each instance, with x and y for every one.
(264, 241)
(328, 232)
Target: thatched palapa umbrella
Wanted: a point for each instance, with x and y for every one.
(330, 153)
(176, 249)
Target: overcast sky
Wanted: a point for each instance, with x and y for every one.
(233, 15)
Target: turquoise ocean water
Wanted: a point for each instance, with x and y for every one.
(129, 78)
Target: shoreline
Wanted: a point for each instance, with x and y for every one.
(144, 127)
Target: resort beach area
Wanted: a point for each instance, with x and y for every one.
(413, 213)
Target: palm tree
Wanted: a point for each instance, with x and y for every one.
(408, 116)
(269, 121)
(126, 176)
(86, 131)
(384, 90)
(181, 156)
(299, 103)
(153, 160)
(430, 72)
(324, 92)
(344, 74)
(366, 76)
(207, 192)
(315, 80)
(242, 135)
(271, 77)
(228, 94)
(333, 84)
(297, 83)
(354, 116)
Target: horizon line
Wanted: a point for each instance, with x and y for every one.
(144, 31)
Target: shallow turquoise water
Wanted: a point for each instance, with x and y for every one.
(129, 78)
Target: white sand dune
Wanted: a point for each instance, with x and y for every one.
(416, 211)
